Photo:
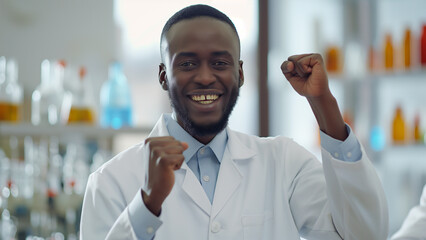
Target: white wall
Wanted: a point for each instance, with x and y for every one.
(80, 32)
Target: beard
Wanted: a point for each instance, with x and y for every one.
(199, 130)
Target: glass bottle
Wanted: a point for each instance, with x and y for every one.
(48, 97)
(82, 104)
(388, 52)
(10, 91)
(407, 48)
(418, 136)
(115, 99)
(333, 59)
(398, 127)
(423, 46)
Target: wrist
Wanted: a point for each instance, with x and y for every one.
(152, 204)
(328, 116)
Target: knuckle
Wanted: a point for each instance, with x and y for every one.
(156, 152)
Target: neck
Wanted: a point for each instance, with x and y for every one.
(204, 139)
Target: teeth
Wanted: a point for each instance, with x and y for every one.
(205, 99)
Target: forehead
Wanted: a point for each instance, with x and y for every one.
(204, 33)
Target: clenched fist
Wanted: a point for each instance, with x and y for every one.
(307, 74)
(165, 156)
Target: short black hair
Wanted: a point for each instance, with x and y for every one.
(194, 11)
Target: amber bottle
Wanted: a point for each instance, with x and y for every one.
(388, 52)
(398, 127)
(418, 136)
(407, 48)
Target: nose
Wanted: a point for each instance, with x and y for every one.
(205, 75)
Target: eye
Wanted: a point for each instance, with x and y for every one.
(220, 65)
(187, 65)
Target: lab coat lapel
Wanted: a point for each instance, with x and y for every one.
(160, 128)
(190, 183)
(193, 188)
(230, 177)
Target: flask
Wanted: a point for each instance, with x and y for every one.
(388, 52)
(10, 91)
(115, 99)
(423, 46)
(407, 48)
(398, 127)
(82, 104)
(47, 98)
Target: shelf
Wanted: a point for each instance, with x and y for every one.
(26, 129)
(415, 149)
(415, 72)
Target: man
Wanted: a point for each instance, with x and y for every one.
(414, 225)
(194, 178)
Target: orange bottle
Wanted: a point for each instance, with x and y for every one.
(407, 48)
(333, 59)
(388, 52)
(418, 136)
(398, 127)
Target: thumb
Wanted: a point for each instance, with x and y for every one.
(287, 67)
(185, 145)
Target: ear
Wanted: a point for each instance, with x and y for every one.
(241, 73)
(162, 77)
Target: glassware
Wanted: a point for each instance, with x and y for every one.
(407, 48)
(398, 127)
(423, 46)
(49, 100)
(10, 91)
(82, 108)
(115, 99)
(388, 52)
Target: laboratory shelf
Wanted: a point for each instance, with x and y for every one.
(27, 129)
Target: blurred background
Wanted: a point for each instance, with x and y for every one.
(78, 84)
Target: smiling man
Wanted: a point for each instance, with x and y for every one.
(195, 178)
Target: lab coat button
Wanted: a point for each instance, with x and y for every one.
(206, 178)
(149, 230)
(215, 227)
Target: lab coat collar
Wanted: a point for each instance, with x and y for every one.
(237, 149)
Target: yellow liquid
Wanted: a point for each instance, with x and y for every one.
(407, 49)
(388, 53)
(333, 59)
(81, 115)
(398, 128)
(9, 112)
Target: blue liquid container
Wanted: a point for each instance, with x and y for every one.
(377, 139)
(116, 101)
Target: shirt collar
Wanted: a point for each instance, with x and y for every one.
(217, 145)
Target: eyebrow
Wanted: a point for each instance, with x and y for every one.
(191, 54)
(186, 54)
(222, 53)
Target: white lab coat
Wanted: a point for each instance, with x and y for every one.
(267, 188)
(414, 226)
